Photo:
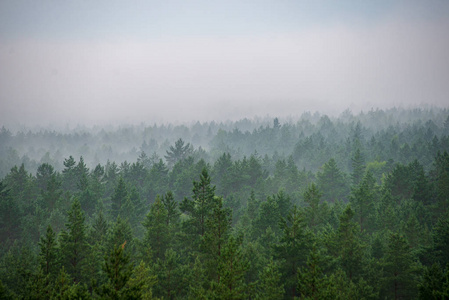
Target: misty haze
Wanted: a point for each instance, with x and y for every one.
(234, 150)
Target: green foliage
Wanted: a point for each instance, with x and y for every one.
(118, 270)
(362, 199)
(400, 269)
(157, 229)
(73, 243)
(179, 152)
(292, 249)
(349, 246)
(48, 252)
(119, 198)
(270, 286)
(201, 204)
(332, 182)
(244, 239)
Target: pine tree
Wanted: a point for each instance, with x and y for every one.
(349, 245)
(119, 198)
(231, 268)
(218, 225)
(144, 279)
(400, 269)
(332, 182)
(170, 275)
(310, 277)
(294, 244)
(270, 286)
(173, 213)
(441, 240)
(118, 269)
(358, 166)
(201, 204)
(73, 242)
(178, 152)
(312, 212)
(48, 252)
(157, 231)
(362, 199)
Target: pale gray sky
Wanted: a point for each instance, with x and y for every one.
(104, 61)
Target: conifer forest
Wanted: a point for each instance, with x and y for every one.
(354, 206)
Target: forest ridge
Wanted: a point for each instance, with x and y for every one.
(315, 207)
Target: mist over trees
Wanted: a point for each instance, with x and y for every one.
(314, 207)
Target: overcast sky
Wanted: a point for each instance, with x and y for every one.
(95, 62)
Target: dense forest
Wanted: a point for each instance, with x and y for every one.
(314, 207)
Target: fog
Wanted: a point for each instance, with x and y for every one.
(221, 68)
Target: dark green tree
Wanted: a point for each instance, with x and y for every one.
(358, 166)
(9, 215)
(73, 243)
(231, 269)
(201, 204)
(400, 269)
(48, 253)
(441, 240)
(363, 198)
(118, 269)
(218, 225)
(313, 212)
(292, 249)
(434, 283)
(349, 245)
(332, 182)
(157, 230)
(270, 285)
(119, 198)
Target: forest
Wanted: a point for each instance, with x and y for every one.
(354, 206)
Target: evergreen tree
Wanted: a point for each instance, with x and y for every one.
(118, 269)
(143, 279)
(310, 277)
(157, 231)
(358, 166)
(270, 286)
(313, 212)
(9, 215)
(435, 283)
(201, 204)
(363, 198)
(69, 174)
(170, 275)
(231, 269)
(332, 182)
(48, 252)
(218, 225)
(441, 240)
(400, 269)
(179, 152)
(349, 245)
(73, 243)
(119, 198)
(292, 249)
(173, 213)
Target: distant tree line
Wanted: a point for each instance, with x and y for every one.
(351, 211)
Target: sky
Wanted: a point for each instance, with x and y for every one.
(108, 61)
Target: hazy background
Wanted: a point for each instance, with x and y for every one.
(98, 62)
